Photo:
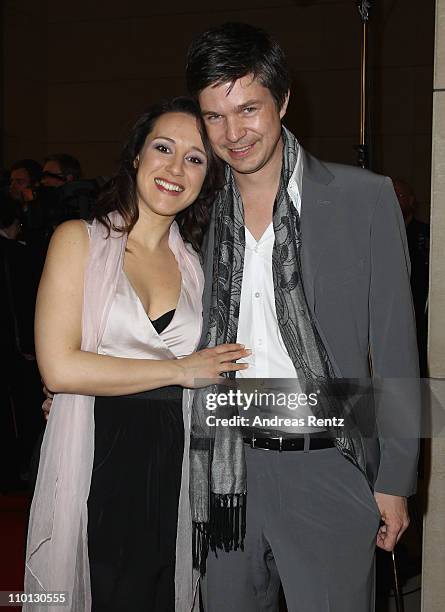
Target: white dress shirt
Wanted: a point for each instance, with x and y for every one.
(258, 327)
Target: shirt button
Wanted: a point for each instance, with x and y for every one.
(302, 311)
(257, 294)
(259, 341)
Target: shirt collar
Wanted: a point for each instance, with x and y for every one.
(295, 185)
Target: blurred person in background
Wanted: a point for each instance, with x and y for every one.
(21, 422)
(60, 168)
(418, 235)
(24, 177)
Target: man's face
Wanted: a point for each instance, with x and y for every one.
(52, 175)
(18, 183)
(243, 123)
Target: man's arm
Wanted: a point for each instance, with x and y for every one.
(394, 361)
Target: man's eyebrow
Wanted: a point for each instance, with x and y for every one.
(246, 104)
(237, 108)
(192, 147)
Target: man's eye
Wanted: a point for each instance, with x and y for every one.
(162, 148)
(249, 109)
(213, 117)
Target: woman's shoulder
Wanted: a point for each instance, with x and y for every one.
(75, 228)
(70, 237)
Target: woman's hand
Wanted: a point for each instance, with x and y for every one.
(209, 363)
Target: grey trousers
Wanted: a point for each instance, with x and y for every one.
(312, 522)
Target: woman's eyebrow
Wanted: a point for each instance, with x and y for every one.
(193, 147)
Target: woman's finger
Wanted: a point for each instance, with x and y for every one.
(233, 367)
(233, 355)
(224, 348)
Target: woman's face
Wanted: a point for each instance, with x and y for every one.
(172, 165)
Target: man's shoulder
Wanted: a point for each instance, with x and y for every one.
(345, 174)
(358, 191)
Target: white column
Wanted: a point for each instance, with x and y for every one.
(433, 574)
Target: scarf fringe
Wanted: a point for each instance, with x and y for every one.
(226, 529)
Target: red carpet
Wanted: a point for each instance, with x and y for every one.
(12, 537)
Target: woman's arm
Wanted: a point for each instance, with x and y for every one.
(65, 368)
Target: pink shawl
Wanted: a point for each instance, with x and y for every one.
(57, 552)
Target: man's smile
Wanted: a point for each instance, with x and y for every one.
(239, 152)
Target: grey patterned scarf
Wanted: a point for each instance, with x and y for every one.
(217, 464)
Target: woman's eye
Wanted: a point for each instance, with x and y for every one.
(162, 148)
(195, 160)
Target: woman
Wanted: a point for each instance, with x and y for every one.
(119, 302)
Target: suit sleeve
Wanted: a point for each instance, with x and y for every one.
(393, 348)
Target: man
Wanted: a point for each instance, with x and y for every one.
(24, 178)
(59, 169)
(306, 265)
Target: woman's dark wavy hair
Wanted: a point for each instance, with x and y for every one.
(120, 193)
(231, 51)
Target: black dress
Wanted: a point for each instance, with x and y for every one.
(133, 500)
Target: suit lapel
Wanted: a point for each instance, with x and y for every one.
(317, 214)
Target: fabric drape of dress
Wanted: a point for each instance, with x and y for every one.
(57, 550)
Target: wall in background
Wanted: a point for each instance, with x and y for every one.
(77, 74)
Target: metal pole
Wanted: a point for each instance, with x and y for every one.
(363, 161)
(398, 594)
(363, 84)
(362, 149)
(2, 83)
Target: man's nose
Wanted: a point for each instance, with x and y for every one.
(234, 129)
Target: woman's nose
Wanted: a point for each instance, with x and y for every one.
(176, 165)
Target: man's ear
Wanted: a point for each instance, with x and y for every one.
(283, 109)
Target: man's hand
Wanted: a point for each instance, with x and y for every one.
(394, 511)
(46, 406)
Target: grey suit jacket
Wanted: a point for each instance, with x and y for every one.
(356, 277)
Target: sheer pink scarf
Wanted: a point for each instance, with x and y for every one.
(57, 551)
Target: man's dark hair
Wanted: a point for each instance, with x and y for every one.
(121, 193)
(68, 164)
(233, 50)
(33, 168)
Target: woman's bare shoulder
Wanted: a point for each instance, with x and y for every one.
(70, 235)
(68, 247)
